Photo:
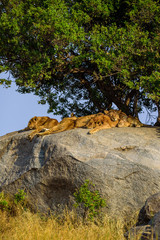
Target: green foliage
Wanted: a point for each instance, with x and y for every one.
(89, 200)
(5, 82)
(13, 204)
(3, 202)
(20, 196)
(82, 56)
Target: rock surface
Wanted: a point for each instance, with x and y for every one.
(124, 164)
(148, 225)
(151, 207)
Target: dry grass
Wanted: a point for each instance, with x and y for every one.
(18, 224)
(29, 226)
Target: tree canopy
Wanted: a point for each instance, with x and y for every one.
(83, 56)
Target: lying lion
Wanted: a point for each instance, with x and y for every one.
(95, 122)
(68, 124)
(39, 124)
(134, 122)
(103, 121)
(64, 125)
(112, 118)
(129, 121)
(123, 120)
(49, 125)
(89, 121)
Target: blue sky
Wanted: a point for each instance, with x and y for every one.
(17, 109)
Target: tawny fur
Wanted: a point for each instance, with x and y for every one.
(64, 125)
(68, 124)
(101, 121)
(113, 114)
(82, 121)
(129, 121)
(38, 124)
(123, 120)
(134, 122)
(95, 122)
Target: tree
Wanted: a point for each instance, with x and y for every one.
(83, 56)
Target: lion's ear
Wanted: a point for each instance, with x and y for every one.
(106, 111)
(35, 119)
(120, 111)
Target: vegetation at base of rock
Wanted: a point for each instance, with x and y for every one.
(20, 196)
(82, 56)
(13, 204)
(89, 200)
(17, 223)
(33, 226)
(22, 224)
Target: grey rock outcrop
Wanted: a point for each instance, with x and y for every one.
(155, 223)
(148, 225)
(123, 163)
(151, 207)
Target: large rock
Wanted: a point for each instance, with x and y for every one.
(148, 225)
(151, 207)
(124, 164)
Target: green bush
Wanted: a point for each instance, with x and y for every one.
(4, 205)
(20, 196)
(89, 200)
(13, 204)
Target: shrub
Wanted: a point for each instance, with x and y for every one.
(4, 205)
(20, 196)
(13, 204)
(89, 200)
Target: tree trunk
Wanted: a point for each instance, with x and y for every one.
(135, 107)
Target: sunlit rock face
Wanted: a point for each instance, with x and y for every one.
(123, 163)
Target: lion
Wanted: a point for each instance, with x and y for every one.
(112, 118)
(79, 122)
(103, 121)
(123, 121)
(134, 122)
(38, 124)
(94, 120)
(67, 123)
(113, 114)
(82, 121)
(129, 121)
